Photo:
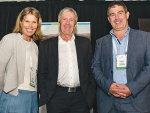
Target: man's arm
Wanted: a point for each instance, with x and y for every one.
(42, 70)
(101, 80)
(90, 55)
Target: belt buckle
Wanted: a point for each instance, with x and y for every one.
(72, 89)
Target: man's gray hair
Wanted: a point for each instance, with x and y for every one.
(68, 9)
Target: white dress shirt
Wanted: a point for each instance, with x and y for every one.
(68, 74)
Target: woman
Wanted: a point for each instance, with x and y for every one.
(18, 64)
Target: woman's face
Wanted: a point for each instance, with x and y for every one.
(28, 25)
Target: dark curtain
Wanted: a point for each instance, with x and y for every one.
(88, 11)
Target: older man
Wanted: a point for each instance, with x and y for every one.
(65, 79)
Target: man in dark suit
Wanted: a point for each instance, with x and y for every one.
(66, 84)
(121, 66)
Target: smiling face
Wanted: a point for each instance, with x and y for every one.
(67, 23)
(28, 25)
(118, 18)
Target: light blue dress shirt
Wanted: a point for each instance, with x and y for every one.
(119, 75)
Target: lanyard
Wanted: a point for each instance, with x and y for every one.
(31, 66)
(115, 47)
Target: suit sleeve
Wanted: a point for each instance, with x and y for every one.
(102, 81)
(42, 70)
(90, 55)
(141, 80)
(6, 51)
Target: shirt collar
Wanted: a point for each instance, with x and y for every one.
(71, 40)
(127, 32)
(125, 36)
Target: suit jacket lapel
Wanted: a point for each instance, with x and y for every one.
(55, 51)
(108, 42)
(131, 42)
(78, 52)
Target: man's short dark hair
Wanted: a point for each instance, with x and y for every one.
(113, 4)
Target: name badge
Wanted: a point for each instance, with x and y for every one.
(32, 79)
(121, 61)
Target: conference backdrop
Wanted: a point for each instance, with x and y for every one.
(94, 12)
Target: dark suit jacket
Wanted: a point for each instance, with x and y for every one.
(138, 70)
(48, 69)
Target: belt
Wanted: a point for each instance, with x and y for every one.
(69, 89)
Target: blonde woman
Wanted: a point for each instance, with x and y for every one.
(18, 64)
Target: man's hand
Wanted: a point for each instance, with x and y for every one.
(125, 90)
(119, 90)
